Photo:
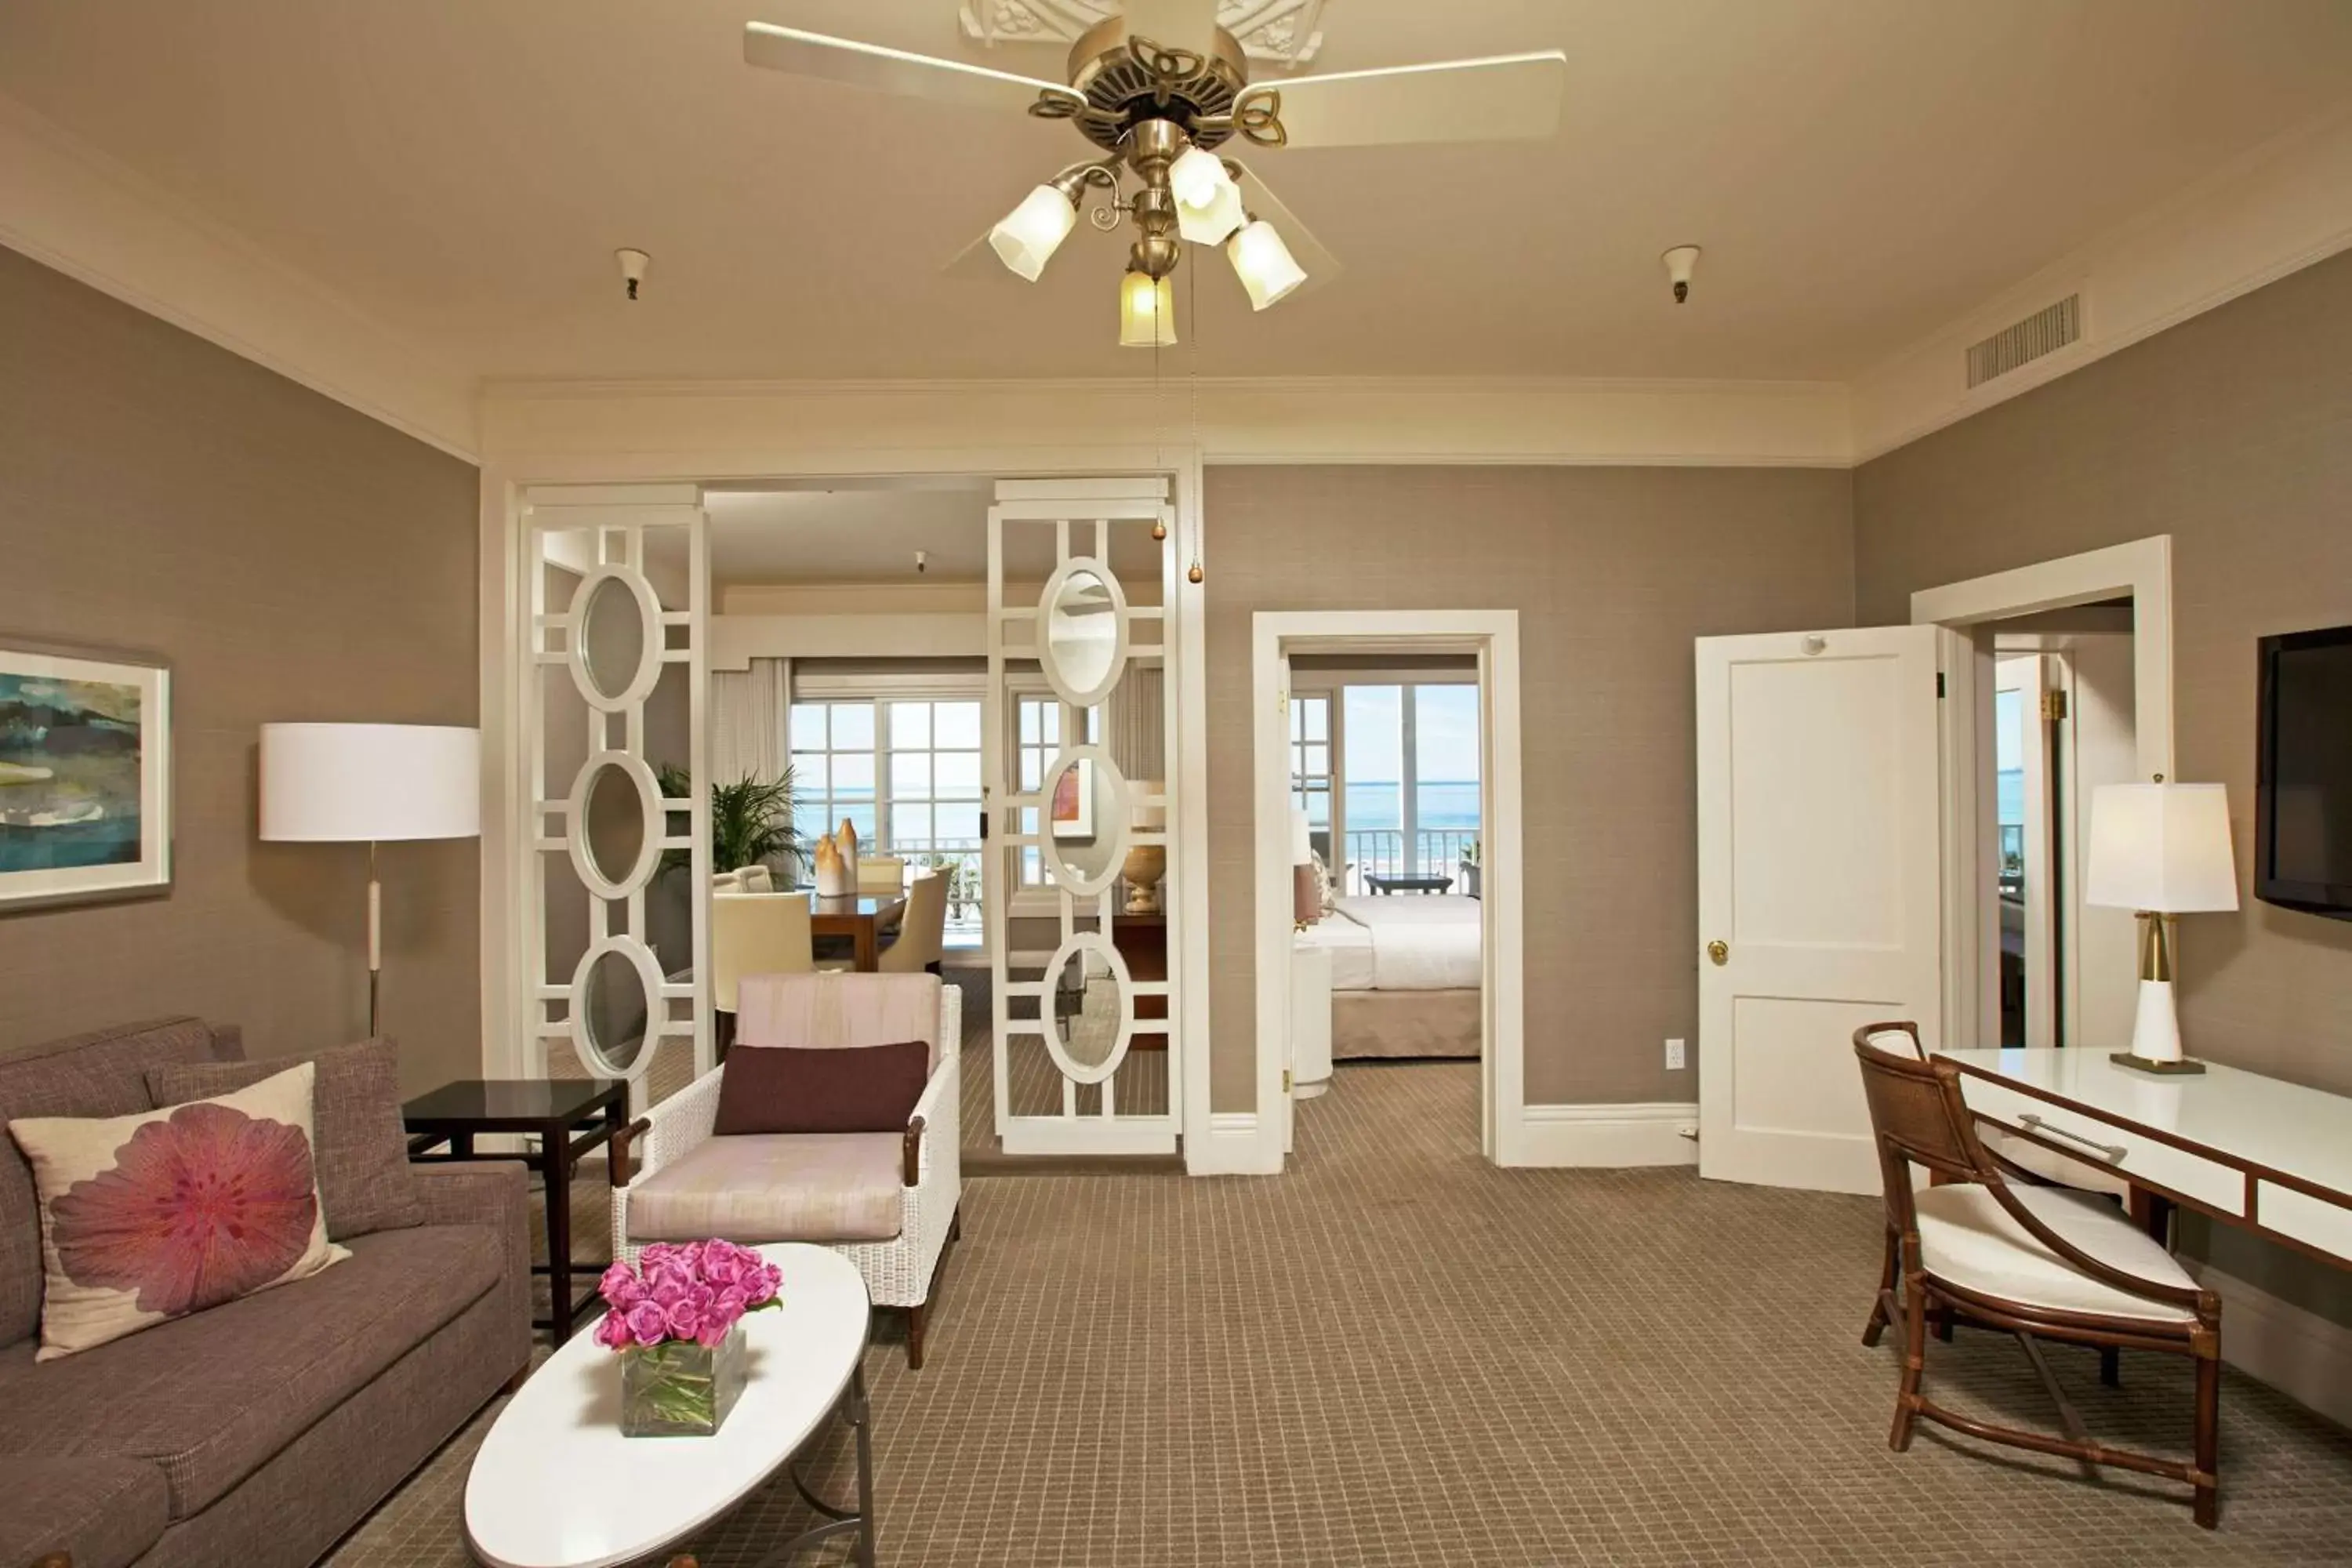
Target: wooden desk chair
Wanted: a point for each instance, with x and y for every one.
(2041, 1262)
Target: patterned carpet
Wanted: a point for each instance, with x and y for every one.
(1397, 1355)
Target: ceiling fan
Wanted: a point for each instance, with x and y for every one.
(1157, 90)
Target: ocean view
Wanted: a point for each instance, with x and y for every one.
(1443, 806)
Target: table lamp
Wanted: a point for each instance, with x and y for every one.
(352, 783)
(2163, 850)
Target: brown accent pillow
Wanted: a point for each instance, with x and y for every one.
(364, 1182)
(800, 1088)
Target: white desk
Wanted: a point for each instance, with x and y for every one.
(2256, 1152)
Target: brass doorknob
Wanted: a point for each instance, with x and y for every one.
(1719, 951)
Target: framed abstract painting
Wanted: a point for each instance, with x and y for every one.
(85, 775)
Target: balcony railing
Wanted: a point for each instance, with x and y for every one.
(1381, 852)
(959, 860)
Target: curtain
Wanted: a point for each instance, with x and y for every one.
(749, 718)
(1135, 729)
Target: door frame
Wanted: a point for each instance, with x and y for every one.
(1493, 637)
(2039, 945)
(2141, 568)
(736, 455)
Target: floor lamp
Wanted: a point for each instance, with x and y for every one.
(370, 784)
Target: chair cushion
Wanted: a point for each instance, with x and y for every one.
(157, 1215)
(1968, 1238)
(363, 1150)
(105, 1512)
(804, 1186)
(100, 1074)
(211, 1398)
(796, 1089)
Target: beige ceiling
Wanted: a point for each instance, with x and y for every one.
(1859, 171)
(852, 530)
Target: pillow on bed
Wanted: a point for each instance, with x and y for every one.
(1322, 884)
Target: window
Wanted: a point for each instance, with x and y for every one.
(1408, 799)
(1037, 737)
(906, 773)
(1310, 756)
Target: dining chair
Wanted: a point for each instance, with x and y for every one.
(881, 874)
(2041, 1262)
(923, 933)
(756, 933)
(757, 879)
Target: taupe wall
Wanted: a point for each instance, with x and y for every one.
(1615, 572)
(2232, 433)
(295, 560)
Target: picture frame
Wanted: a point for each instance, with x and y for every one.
(86, 774)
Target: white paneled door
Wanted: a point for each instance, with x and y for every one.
(1819, 890)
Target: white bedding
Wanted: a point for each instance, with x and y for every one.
(1406, 941)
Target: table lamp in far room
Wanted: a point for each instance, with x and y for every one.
(369, 784)
(2161, 850)
(1305, 895)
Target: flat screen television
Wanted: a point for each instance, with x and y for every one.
(2302, 783)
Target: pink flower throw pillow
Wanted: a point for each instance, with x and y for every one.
(155, 1215)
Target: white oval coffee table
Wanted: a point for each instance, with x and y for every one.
(555, 1485)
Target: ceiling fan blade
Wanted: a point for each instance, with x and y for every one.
(1173, 24)
(1507, 99)
(895, 70)
(1320, 264)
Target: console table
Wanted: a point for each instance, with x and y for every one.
(2251, 1151)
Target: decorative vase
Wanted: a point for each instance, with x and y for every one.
(679, 1388)
(1144, 866)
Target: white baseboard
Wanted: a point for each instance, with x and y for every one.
(1230, 1149)
(1643, 1134)
(2303, 1355)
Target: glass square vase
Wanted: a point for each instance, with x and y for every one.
(678, 1388)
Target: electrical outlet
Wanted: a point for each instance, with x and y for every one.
(1674, 1058)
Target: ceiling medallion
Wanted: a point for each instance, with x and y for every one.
(1157, 105)
(1287, 33)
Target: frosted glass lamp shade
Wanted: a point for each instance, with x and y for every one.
(1264, 264)
(1302, 838)
(1146, 313)
(354, 783)
(1208, 203)
(1032, 231)
(2163, 848)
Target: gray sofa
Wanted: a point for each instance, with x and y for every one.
(259, 1432)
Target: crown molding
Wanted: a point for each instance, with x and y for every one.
(2282, 207)
(73, 208)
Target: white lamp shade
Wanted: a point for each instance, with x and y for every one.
(348, 783)
(1147, 818)
(1032, 231)
(1208, 203)
(2161, 846)
(1146, 313)
(1302, 838)
(1264, 264)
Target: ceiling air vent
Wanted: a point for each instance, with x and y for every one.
(2045, 331)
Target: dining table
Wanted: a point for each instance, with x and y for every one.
(860, 916)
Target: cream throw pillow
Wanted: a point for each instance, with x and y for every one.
(152, 1217)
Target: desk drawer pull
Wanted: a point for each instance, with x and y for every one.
(2113, 1153)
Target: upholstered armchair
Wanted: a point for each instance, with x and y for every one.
(887, 1201)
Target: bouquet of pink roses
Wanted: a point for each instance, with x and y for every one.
(695, 1292)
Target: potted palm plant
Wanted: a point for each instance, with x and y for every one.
(750, 822)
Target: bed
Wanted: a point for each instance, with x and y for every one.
(1405, 975)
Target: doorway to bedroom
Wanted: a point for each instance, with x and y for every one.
(1387, 895)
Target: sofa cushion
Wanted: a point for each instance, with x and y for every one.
(361, 1149)
(804, 1186)
(100, 1074)
(163, 1213)
(796, 1089)
(210, 1398)
(105, 1512)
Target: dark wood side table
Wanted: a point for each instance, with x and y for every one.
(1385, 883)
(570, 1117)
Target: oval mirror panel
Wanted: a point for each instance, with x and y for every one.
(616, 826)
(613, 1009)
(1086, 826)
(611, 632)
(1085, 1005)
(1083, 635)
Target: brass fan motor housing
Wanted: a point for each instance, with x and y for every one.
(1125, 80)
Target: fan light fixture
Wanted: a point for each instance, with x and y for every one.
(1032, 231)
(1146, 313)
(1262, 263)
(1158, 110)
